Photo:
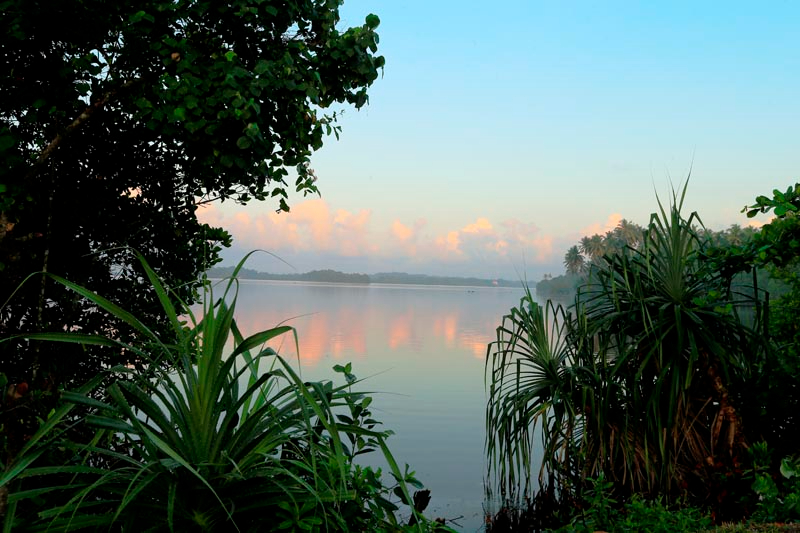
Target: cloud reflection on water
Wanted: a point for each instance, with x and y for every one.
(346, 324)
(422, 351)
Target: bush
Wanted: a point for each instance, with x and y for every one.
(230, 439)
(603, 512)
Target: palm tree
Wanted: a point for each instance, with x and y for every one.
(592, 247)
(735, 235)
(574, 261)
(630, 232)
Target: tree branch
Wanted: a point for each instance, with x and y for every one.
(78, 122)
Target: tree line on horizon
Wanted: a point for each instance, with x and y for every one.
(629, 235)
(593, 251)
(335, 276)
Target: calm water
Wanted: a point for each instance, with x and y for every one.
(422, 348)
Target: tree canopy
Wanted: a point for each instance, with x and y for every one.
(118, 118)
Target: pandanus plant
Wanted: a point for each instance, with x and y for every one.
(631, 383)
(208, 431)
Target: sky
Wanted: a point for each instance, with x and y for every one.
(500, 134)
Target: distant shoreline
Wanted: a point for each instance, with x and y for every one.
(382, 278)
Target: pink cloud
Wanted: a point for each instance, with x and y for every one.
(483, 240)
(611, 222)
(401, 231)
(753, 223)
(312, 226)
(528, 237)
(309, 226)
(482, 225)
(404, 238)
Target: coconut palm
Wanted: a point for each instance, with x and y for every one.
(593, 247)
(574, 262)
(631, 233)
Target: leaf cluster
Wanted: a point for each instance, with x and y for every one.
(117, 119)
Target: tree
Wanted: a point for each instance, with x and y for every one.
(574, 262)
(630, 232)
(773, 397)
(593, 247)
(118, 118)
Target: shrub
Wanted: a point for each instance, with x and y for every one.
(215, 432)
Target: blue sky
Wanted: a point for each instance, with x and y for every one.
(500, 135)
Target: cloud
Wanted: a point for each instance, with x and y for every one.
(309, 226)
(527, 237)
(599, 228)
(401, 231)
(481, 242)
(753, 223)
(313, 227)
(403, 238)
(482, 225)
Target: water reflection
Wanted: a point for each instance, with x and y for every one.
(333, 321)
(423, 348)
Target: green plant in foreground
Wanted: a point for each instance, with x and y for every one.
(230, 439)
(603, 512)
(779, 496)
(633, 382)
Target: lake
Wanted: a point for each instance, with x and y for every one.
(422, 349)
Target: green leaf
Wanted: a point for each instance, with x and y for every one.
(262, 66)
(196, 125)
(6, 142)
(373, 21)
(787, 468)
(136, 17)
(244, 143)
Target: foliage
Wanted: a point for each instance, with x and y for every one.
(600, 510)
(772, 397)
(673, 329)
(560, 288)
(232, 439)
(529, 372)
(778, 242)
(603, 512)
(118, 118)
(633, 382)
(778, 495)
(624, 236)
(574, 262)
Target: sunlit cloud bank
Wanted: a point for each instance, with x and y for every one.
(311, 225)
(601, 228)
(480, 247)
(754, 223)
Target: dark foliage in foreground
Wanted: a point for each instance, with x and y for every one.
(118, 118)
